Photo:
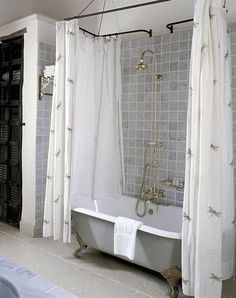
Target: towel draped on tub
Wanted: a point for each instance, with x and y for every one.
(125, 232)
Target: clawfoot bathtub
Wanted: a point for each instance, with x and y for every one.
(158, 242)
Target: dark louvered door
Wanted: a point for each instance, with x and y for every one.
(11, 80)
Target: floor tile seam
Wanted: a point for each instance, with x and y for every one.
(103, 276)
(29, 243)
(76, 264)
(85, 267)
(53, 288)
(140, 292)
(71, 262)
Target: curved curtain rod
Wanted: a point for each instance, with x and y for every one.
(149, 32)
(170, 26)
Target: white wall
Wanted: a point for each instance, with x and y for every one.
(61, 9)
(12, 10)
(46, 30)
(38, 29)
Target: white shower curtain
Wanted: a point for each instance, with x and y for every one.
(97, 170)
(85, 153)
(208, 213)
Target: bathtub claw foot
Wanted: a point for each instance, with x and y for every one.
(82, 246)
(172, 276)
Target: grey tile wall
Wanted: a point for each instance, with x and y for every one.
(46, 57)
(173, 55)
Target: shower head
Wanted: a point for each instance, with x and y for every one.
(141, 65)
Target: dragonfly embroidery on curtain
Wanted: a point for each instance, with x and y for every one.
(191, 90)
(213, 212)
(211, 15)
(189, 153)
(57, 199)
(185, 281)
(59, 58)
(70, 32)
(204, 47)
(70, 81)
(58, 106)
(186, 217)
(215, 148)
(58, 153)
(214, 278)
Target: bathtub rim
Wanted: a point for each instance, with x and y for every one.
(143, 227)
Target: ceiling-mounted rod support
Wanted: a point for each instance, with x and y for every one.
(170, 26)
(149, 32)
(115, 9)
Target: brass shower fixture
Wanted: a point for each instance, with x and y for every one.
(142, 66)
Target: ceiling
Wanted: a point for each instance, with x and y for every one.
(150, 17)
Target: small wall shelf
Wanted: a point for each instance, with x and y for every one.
(45, 82)
(169, 183)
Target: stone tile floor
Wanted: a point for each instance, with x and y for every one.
(29, 284)
(95, 275)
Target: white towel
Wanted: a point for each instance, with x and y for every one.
(125, 231)
(49, 71)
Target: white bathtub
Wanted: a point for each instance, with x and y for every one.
(158, 243)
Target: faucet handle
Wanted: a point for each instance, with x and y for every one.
(162, 193)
